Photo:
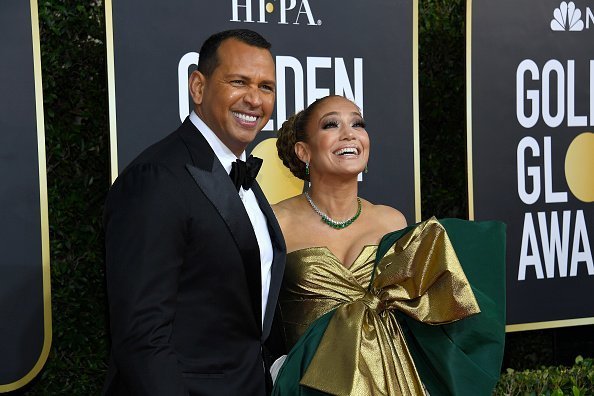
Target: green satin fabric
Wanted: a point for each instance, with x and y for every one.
(302, 303)
(464, 358)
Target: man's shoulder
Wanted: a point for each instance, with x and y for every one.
(172, 150)
(160, 164)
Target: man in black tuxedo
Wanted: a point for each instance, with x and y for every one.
(194, 258)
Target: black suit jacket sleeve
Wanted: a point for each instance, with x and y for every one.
(145, 228)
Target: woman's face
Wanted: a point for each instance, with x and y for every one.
(337, 142)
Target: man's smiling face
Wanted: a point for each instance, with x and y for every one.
(237, 99)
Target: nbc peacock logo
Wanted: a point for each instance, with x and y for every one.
(567, 17)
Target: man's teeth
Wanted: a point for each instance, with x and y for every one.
(347, 150)
(245, 117)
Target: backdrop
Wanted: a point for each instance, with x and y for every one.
(365, 51)
(25, 312)
(531, 150)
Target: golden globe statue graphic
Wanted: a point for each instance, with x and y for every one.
(277, 182)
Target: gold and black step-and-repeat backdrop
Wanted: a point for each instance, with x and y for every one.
(366, 51)
(531, 150)
(25, 314)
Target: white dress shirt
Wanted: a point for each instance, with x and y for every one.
(226, 157)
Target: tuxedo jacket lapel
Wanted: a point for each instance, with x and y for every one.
(213, 180)
(278, 262)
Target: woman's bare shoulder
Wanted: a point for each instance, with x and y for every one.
(388, 217)
(284, 209)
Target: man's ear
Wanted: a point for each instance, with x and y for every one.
(302, 151)
(196, 85)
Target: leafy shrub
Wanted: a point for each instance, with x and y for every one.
(75, 112)
(577, 380)
(442, 112)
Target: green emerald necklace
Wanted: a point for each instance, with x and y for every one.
(338, 225)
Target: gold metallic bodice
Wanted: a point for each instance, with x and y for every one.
(363, 350)
(316, 282)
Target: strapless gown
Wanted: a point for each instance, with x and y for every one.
(422, 311)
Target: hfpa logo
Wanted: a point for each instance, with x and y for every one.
(287, 10)
(567, 17)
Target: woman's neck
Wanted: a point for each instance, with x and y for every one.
(338, 199)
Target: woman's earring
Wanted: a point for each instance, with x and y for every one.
(307, 168)
(365, 168)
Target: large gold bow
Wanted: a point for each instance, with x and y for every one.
(363, 350)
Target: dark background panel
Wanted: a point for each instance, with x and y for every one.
(147, 52)
(505, 33)
(21, 288)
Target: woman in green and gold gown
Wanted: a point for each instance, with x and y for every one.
(372, 311)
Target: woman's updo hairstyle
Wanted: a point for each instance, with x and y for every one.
(293, 131)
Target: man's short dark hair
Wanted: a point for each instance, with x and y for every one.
(208, 60)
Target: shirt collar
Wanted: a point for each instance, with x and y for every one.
(225, 156)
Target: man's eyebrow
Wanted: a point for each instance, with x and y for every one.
(269, 82)
(242, 77)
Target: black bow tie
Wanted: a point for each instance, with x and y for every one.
(243, 174)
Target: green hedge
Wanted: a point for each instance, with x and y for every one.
(442, 113)
(577, 380)
(75, 110)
